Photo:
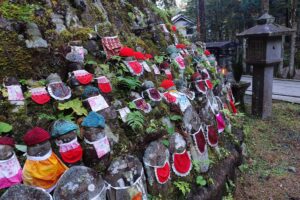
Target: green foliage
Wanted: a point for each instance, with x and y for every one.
(135, 120)
(196, 165)
(201, 181)
(244, 168)
(75, 105)
(5, 128)
(166, 143)
(130, 82)
(159, 59)
(153, 126)
(183, 187)
(170, 130)
(20, 12)
(131, 105)
(46, 116)
(175, 117)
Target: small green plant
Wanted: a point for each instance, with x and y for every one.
(22, 12)
(166, 143)
(196, 165)
(183, 187)
(201, 181)
(175, 117)
(75, 105)
(135, 120)
(5, 127)
(153, 126)
(129, 82)
(159, 59)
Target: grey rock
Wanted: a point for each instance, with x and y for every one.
(292, 169)
(59, 22)
(35, 39)
(147, 84)
(92, 47)
(71, 19)
(25, 192)
(126, 172)
(177, 143)
(111, 136)
(81, 183)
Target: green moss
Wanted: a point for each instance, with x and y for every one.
(20, 12)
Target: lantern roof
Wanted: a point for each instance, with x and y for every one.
(266, 27)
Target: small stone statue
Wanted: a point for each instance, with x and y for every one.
(158, 168)
(25, 192)
(14, 90)
(10, 169)
(65, 134)
(81, 183)
(42, 167)
(181, 158)
(97, 146)
(126, 180)
(57, 89)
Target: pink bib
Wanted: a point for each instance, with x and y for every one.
(10, 172)
(220, 123)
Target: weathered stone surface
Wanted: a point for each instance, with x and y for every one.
(80, 183)
(177, 143)
(6, 152)
(126, 179)
(25, 192)
(35, 39)
(57, 20)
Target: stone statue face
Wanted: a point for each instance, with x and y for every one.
(67, 137)
(93, 134)
(40, 149)
(6, 152)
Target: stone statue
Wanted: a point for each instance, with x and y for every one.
(65, 134)
(10, 169)
(81, 183)
(126, 180)
(42, 167)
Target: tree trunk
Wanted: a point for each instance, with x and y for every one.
(201, 8)
(280, 66)
(244, 55)
(293, 24)
(264, 6)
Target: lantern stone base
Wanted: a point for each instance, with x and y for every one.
(262, 85)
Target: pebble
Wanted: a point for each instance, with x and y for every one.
(292, 169)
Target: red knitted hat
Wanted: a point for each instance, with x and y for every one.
(139, 55)
(174, 28)
(207, 53)
(148, 56)
(196, 76)
(7, 141)
(166, 84)
(180, 46)
(35, 136)
(126, 52)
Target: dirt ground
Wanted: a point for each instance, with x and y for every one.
(271, 169)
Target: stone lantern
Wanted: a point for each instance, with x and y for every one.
(264, 51)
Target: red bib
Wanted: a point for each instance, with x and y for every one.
(200, 142)
(135, 68)
(153, 94)
(72, 156)
(162, 173)
(141, 104)
(40, 95)
(212, 136)
(209, 84)
(233, 108)
(168, 74)
(104, 84)
(182, 163)
(200, 86)
(83, 76)
(169, 97)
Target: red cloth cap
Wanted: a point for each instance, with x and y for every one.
(139, 55)
(35, 136)
(207, 53)
(196, 76)
(126, 52)
(7, 141)
(180, 46)
(174, 28)
(166, 84)
(148, 56)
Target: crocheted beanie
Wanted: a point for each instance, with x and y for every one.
(94, 120)
(35, 136)
(7, 141)
(90, 91)
(166, 84)
(62, 127)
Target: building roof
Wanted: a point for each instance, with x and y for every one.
(222, 44)
(178, 17)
